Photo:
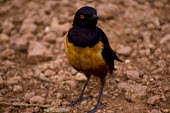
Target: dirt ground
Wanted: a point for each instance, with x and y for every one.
(35, 76)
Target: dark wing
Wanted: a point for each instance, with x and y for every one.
(108, 54)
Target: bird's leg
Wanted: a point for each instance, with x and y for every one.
(81, 98)
(99, 105)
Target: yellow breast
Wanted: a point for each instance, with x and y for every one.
(85, 59)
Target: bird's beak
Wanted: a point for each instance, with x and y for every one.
(94, 17)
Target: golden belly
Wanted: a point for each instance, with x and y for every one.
(87, 60)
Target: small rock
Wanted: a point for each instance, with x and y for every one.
(4, 37)
(124, 50)
(161, 63)
(7, 26)
(56, 102)
(49, 72)
(72, 83)
(14, 80)
(56, 64)
(132, 74)
(73, 71)
(29, 110)
(28, 36)
(156, 22)
(158, 4)
(37, 100)
(17, 88)
(133, 92)
(19, 44)
(60, 96)
(142, 52)
(28, 96)
(150, 46)
(127, 61)
(36, 109)
(165, 39)
(50, 37)
(1, 82)
(147, 52)
(155, 111)
(47, 29)
(153, 100)
(109, 12)
(38, 52)
(146, 36)
(150, 26)
(28, 28)
(56, 110)
(166, 110)
(80, 77)
(122, 86)
(166, 28)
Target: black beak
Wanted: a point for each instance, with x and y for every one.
(94, 17)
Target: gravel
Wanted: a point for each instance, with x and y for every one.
(34, 68)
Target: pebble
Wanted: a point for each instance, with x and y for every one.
(132, 74)
(49, 72)
(122, 86)
(19, 44)
(111, 11)
(1, 80)
(153, 100)
(73, 71)
(17, 88)
(56, 102)
(50, 37)
(166, 28)
(36, 109)
(60, 96)
(166, 110)
(147, 52)
(72, 83)
(37, 100)
(155, 111)
(14, 80)
(56, 110)
(146, 36)
(150, 46)
(38, 52)
(133, 92)
(158, 4)
(7, 26)
(28, 27)
(124, 50)
(161, 63)
(165, 39)
(4, 37)
(150, 26)
(28, 96)
(80, 77)
(28, 36)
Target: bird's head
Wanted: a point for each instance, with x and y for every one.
(86, 17)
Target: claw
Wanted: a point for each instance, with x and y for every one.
(99, 106)
(79, 100)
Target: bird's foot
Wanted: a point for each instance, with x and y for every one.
(79, 100)
(99, 106)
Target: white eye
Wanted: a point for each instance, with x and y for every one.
(82, 16)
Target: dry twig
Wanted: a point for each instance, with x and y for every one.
(24, 105)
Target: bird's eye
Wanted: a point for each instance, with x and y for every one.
(82, 16)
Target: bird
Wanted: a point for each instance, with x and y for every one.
(88, 51)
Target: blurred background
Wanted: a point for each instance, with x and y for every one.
(35, 70)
